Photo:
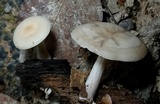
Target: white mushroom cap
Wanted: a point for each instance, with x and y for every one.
(109, 41)
(31, 31)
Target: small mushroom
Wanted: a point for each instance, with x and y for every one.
(47, 91)
(30, 33)
(108, 41)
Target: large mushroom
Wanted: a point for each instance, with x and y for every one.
(108, 41)
(29, 33)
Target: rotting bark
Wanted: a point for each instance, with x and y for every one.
(54, 74)
(35, 68)
(32, 70)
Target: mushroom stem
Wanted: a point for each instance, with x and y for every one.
(22, 56)
(42, 52)
(95, 77)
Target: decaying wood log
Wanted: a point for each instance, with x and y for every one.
(54, 74)
(32, 70)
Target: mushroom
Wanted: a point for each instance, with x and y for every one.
(47, 91)
(29, 33)
(108, 41)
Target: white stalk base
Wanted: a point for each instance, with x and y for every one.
(22, 56)
(95, 77)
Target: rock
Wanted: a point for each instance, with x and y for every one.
(112, 5)
(129, 3)
(5, 99)
(149, 11)
(121, 15)
(134, 32)
(127, 24)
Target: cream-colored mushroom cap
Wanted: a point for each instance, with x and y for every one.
(109, 41)
(30, 32)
